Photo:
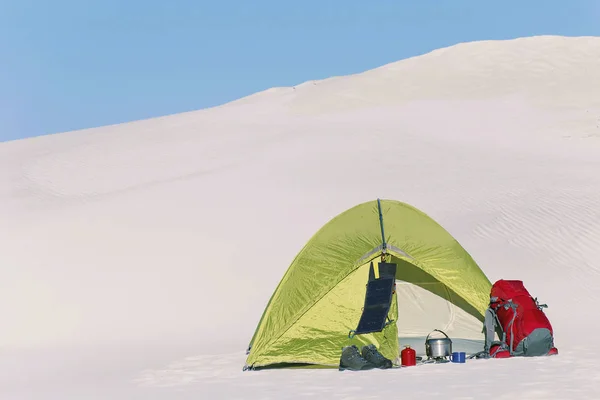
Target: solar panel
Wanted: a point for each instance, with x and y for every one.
(378, 299)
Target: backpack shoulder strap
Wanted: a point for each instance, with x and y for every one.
(490, 325)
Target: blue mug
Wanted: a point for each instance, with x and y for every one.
(458, 357)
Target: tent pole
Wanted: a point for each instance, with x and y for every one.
(384, 244)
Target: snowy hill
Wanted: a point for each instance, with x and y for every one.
(136, 259)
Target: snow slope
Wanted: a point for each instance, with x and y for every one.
(132, 257)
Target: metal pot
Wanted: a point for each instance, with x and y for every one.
(438, 347)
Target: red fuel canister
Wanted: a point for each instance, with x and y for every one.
(408, 357)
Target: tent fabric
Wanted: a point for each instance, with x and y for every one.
(319, 299)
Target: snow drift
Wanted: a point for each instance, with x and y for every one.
(136, 259)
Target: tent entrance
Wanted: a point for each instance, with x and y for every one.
(423, 304)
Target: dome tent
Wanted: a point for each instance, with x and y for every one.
(318, 303)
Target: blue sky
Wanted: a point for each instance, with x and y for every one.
(74, 64)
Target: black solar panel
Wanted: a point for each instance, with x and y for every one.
(378, 299)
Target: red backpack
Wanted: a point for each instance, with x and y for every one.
(520, 322)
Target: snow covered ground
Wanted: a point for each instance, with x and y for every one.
(136, 259)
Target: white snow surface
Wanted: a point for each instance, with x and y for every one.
(136, 259)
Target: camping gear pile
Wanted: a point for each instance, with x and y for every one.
(516, 316)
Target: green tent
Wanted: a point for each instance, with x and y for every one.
(318, 303)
